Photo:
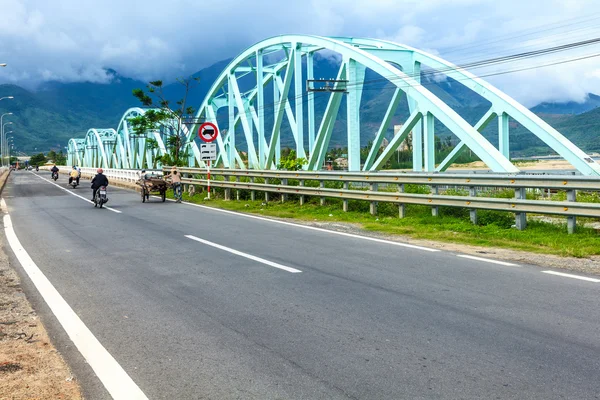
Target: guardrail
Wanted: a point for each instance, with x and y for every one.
(120, 175)
(231, 179)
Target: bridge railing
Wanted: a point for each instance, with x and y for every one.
(391, 187)
(121, 175)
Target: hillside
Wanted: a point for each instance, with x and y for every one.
(47, 118)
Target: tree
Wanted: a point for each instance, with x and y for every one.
(290, 162)
(37, 159)
(162, 114)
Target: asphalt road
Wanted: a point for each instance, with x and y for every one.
(363, 320)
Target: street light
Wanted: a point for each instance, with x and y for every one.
(9, 140)
(4, 138)
(2, 135)
(7, 97)
(3, 65)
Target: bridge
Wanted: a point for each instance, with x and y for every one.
(284, 65)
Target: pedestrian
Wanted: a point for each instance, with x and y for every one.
(176, 184)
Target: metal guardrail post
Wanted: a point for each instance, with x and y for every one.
(520, 218)
(472, 211)
(252, 192)
(401, 207)
(373, 205)
(284, 182)
(237, 191)
(435, 210)
(322, 185)
(266, 193)
(227, 191)
(345, 202)
(571, 220)
(301, 183)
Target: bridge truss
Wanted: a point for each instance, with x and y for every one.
(264, 89)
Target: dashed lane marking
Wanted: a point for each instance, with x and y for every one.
(245, 255)
(582, 278)
(76, 195)
(488, 260)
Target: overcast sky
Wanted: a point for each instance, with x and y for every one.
(75, 40)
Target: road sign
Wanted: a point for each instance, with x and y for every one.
(208, 151)
(208, 132)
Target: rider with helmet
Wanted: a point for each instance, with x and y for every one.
(54, 170)
(74, 175)
(98, 181)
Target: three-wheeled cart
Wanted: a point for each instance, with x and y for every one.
(153, 184)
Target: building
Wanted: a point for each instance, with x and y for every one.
(406, 144)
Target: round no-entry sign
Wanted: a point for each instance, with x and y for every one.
(208, 132)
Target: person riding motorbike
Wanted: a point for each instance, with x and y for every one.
(37, 168)
(74, 175)
(54, 170)
(98, 181)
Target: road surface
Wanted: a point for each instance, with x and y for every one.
(196, 303)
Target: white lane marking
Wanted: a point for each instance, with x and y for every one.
(488, 260)
(583, 278)
(76, 195)
(246, 255)
(116, 381)
(411, 246)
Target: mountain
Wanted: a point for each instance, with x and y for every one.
(591, 102)
(47, 118)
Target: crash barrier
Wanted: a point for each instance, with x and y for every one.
(390, 187)
(113, 174)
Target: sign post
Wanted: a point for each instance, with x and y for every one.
(208, 132)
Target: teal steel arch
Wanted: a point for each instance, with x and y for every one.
(237, 100)
(133, 151)
(75, 151)
(99, 148)
(401, 65)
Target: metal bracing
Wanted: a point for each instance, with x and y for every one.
(279, 61)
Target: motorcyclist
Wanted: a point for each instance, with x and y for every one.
(74, 175)
(99, 180)
(54, 170)
(37, 168)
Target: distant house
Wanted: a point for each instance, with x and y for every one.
(341, 162)
(404, 146)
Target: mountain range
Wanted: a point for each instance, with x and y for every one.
(48, 117)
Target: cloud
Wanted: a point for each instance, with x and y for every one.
(77, 40)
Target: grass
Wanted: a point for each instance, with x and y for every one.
(494, 229)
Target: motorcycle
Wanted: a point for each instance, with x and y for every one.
(100, 197)
(55, 175)
(73, 182)
(37, 168)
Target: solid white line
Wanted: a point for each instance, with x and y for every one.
(411, 246)
(488, 260)
(76, 195)
(246, 255)
(116, 381)
(583, 278)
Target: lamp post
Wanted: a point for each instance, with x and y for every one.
(4, 138)
(9, 140)
(2, 134)
(3, 65)
(7, 97)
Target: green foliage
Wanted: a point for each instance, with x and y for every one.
(290, 162)
(37, 159)
(165, 117)
(57, 158)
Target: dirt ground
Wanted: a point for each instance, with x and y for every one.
(30, 366)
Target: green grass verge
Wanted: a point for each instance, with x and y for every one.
(452, 225)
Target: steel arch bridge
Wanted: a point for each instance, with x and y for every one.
(238, 101)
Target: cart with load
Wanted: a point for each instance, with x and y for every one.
(152, 184)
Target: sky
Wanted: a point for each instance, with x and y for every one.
(77, 40)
